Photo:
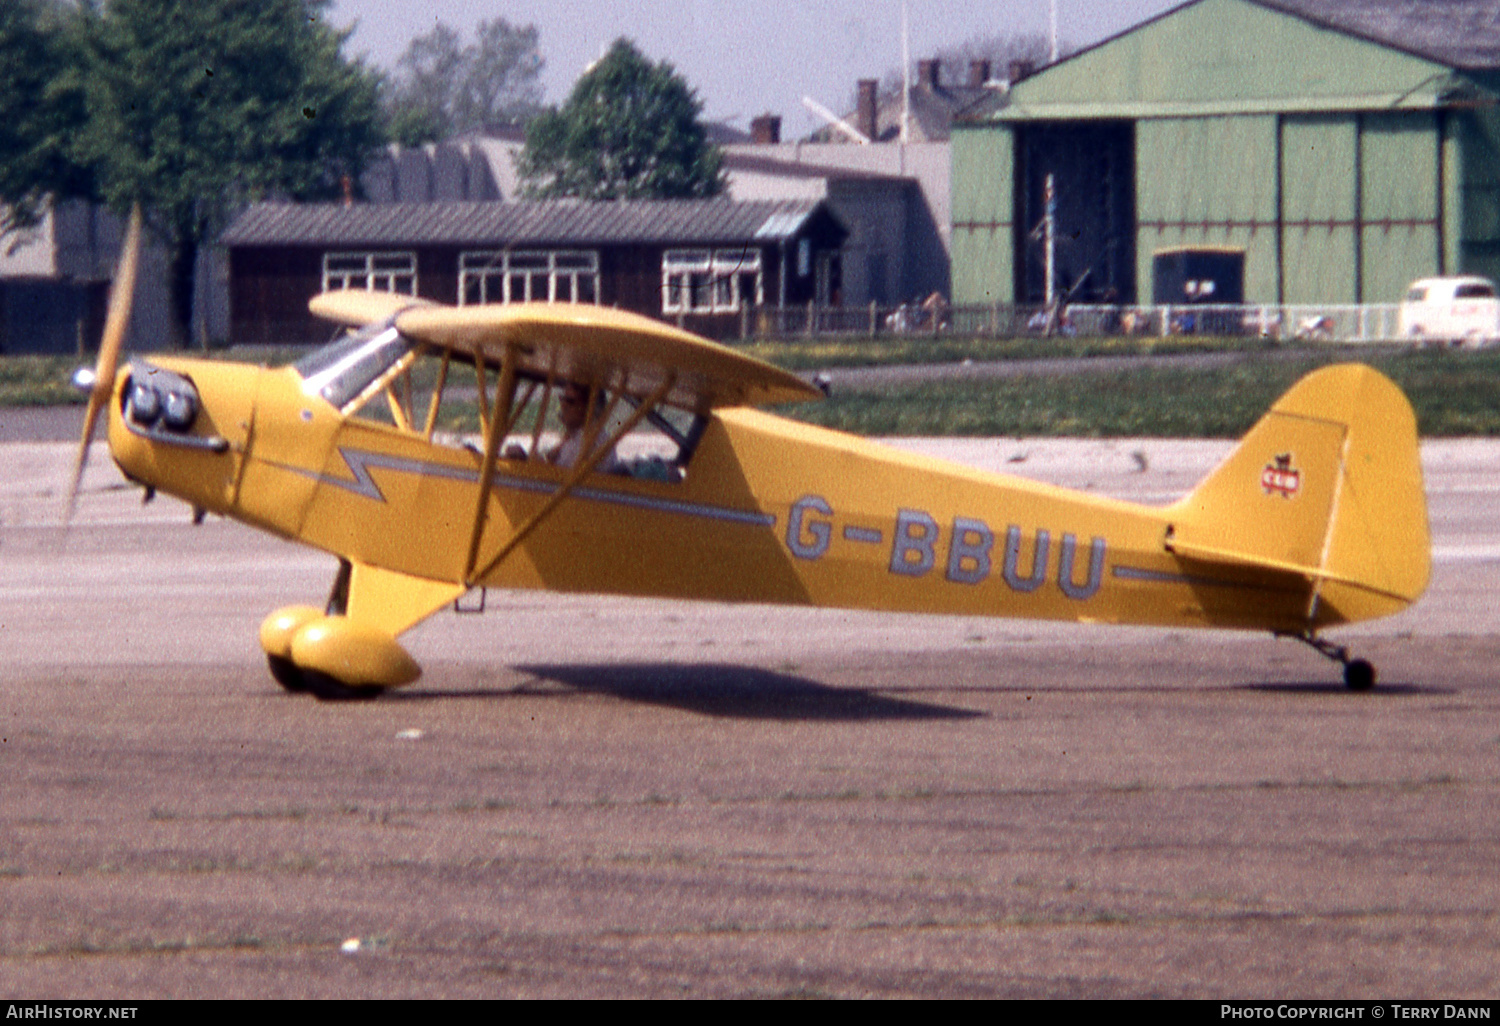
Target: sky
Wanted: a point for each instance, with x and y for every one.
(744, 57)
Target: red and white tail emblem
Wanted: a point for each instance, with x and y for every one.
(1280, 477)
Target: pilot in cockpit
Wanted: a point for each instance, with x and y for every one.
(573, 412)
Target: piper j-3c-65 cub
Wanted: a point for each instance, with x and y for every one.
(678, 486)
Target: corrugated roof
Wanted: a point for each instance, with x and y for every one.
(1462, 35)
(748, 160)
(574, 222)
(1458, 33)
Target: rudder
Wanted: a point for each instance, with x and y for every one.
(1328, 484)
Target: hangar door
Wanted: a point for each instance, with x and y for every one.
(1360, 205)
(1093, 166)
(1208, 183)
(1319, 208)
(1400, 203)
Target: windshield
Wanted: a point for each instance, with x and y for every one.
(341, 370)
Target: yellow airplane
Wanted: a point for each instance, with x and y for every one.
(676, 485)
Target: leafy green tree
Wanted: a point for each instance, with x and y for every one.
(197, 106)
(443, 87)
(41, 109)
(629, 130)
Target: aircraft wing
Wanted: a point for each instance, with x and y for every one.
(358, 307)
(576, 341)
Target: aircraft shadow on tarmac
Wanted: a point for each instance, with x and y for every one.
(744, 692)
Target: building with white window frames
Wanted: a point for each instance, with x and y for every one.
(711, 280)
(528, 276)
(702, 264)
(374, 271)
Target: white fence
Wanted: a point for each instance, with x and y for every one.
(1355, 324)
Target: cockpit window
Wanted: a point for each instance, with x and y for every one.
(657, 447)
(342, 370)
(380, 378)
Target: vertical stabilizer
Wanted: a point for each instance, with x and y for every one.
(1328, 484)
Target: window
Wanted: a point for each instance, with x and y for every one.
(342, 370)
(380, 378)
(710, 281)
(657, 448)
(377, 272)
(549, 276)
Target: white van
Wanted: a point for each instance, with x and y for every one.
(1460, 310)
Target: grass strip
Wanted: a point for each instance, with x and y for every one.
(821, 353)
(1454, 394)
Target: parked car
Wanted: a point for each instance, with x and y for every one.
(1458, 310)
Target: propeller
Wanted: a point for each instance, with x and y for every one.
(121, 294)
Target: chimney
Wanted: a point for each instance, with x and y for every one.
(1020, 69)
(765, 130)
(979, 73)
(928, 73)
(868, 108)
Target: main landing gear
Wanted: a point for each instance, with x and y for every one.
(322, 652)
(301, 680)
(1359, 674)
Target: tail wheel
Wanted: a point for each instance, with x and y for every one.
(1359, 675)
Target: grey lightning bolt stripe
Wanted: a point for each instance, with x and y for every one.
(360, 462)
(1136, 573)
(691, 509)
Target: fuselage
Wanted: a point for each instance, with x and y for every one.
(766, 510)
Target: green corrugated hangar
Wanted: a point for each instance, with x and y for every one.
(1336, 150)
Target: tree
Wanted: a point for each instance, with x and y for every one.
(629, 130)
(41, 109)
(196, 106)
(442, 87)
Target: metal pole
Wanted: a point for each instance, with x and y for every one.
(1049, 236)
(905, 79)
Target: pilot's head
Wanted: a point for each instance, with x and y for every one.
(573, 405)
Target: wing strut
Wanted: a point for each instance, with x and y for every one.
(494, 433)
(437, 395)
(579, 473)
(541, 410)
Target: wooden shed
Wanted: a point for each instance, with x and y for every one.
(703, 264)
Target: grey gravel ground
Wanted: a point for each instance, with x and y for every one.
(716, 801)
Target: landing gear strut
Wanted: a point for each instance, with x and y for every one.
(320, 651)
(1359, 674)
